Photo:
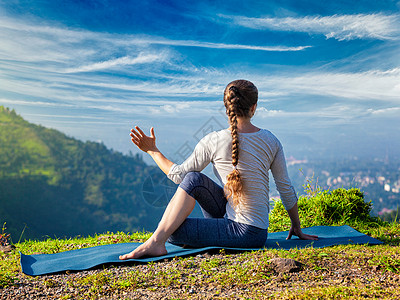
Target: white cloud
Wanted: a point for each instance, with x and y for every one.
(183, 109)
(175, 108)
(385, 111)
(122, 61)
(56, 48)
(370, 85)
(328, 115)
(190, 43)
(264, 112)
(340, 27)
(34, 103)
(64, 116)
(156, 96)
(35, 62)
(179, 87)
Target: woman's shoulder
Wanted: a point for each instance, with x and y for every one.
(269, 137)
(214, 136)
(223, 133)
(261, 132)
(268, 133)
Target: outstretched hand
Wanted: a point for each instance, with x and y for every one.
(144, 142)
(297, 232)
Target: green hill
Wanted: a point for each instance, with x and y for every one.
(55, 185)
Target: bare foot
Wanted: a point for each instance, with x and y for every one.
(149, 248)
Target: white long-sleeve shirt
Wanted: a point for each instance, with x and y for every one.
(259, 152)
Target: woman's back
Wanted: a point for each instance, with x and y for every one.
(259, 152)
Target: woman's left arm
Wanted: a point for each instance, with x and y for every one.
(148, 144)
(295, 229)
(288, 195)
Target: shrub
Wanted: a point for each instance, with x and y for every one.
(337, 207)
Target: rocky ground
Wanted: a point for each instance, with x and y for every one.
(354, 272)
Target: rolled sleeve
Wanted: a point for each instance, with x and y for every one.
(197, 161)
(175, 174)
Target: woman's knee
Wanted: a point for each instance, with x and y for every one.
(193, 176)
(190, 181)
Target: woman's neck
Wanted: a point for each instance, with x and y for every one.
(244, 125)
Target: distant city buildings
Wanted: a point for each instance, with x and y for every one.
(290, 161)
(378, 179)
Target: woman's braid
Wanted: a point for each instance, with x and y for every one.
(239, 97)
(232, 108)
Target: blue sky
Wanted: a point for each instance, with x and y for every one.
(328, 72)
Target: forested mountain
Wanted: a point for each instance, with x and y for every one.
(55, 185)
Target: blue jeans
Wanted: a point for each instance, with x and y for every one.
(213, 229)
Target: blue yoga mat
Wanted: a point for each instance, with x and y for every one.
(83, 259)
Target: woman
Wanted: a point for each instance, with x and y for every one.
(242, 155)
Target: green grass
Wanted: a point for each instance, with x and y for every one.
(242, 271)
(339, 272)
(9, 263)
(248, 271)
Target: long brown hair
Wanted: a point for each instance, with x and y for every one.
(239, 97)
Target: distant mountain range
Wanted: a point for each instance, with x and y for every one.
(54, 185)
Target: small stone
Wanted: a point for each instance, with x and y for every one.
(285, 265)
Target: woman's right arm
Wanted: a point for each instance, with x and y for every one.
(295, 229)
(148, 145)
